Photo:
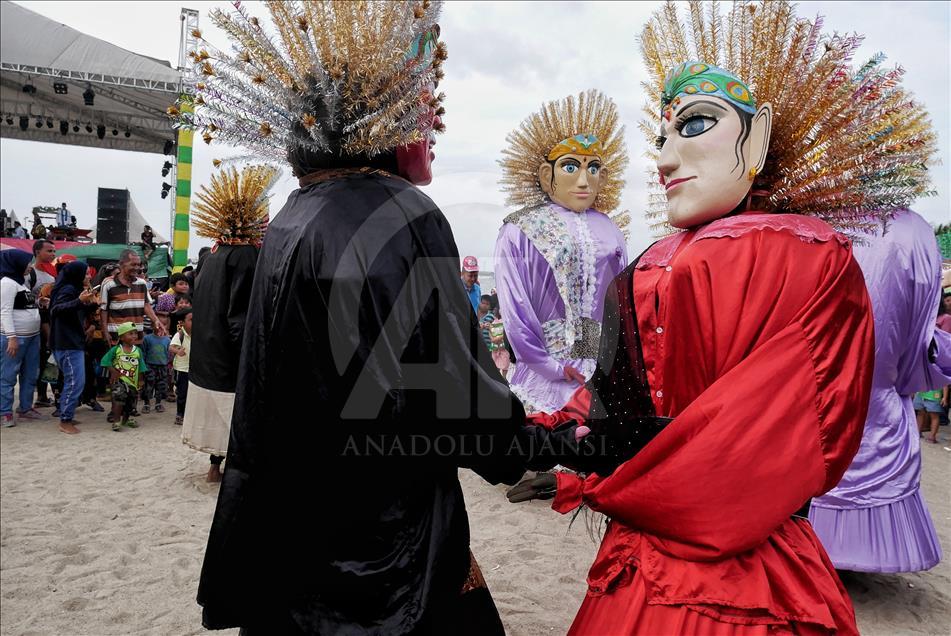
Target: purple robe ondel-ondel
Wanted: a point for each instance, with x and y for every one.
(531, 299)
(875, 519)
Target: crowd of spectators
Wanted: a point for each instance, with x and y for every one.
(72, 335)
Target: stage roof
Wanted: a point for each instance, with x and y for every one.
(131, 91)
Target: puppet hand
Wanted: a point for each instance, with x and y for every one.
(573, 375)
(542, 486)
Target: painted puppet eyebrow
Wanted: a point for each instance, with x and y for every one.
(699, 101)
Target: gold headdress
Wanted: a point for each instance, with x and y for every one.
(560, 123)
(233, 209)
(847, 146)
(343, 77)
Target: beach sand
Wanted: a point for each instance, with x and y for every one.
(103, 533)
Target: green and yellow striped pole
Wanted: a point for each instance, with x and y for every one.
(183, 196)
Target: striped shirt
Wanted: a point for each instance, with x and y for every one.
(124, 303)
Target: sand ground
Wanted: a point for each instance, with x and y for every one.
(103, 533)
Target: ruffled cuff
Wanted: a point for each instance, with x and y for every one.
(568, 495)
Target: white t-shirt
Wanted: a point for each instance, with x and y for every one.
(182, 339)
(19, 322)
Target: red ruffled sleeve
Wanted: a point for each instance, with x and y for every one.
(576, 409)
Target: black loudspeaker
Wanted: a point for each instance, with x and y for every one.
(112, 218)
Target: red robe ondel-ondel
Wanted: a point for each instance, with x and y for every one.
(756, 334)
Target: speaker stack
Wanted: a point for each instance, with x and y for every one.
(112, 218)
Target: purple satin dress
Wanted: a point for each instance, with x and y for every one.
(553, 267)
(875, 519)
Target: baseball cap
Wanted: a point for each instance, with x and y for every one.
(125, 328)
(470, 264)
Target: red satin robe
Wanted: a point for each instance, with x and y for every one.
(756, 332)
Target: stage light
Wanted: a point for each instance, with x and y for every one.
(24, 122)
(100, 131)
(88, 128)
(114, 132)
(166, 167)
(169, 148)
(49, 123)
(60, 88)
(39, 123)
(165, 190)
(9, 120)
(64, 127)
(75, 127)
(89, 97)
(127, 134)
(29, 89)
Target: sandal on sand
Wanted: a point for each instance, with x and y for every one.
(116, 426)
(69, 428)
(130, 423)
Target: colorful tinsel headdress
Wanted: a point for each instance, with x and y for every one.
(559, 122)
(233, 208)
(848, 146)
(343, 77)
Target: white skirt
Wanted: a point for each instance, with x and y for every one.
(207, 425)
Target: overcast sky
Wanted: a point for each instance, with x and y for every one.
(505, 59)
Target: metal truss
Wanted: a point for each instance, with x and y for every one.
(97, 78)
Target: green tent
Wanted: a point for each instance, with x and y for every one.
(98, 253)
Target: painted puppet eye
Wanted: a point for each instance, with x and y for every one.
(594, 170)
(570, 168)
(697, 125)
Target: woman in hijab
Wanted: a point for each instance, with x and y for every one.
(19, 337)
(71, 302)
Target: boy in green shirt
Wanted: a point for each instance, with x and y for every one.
(127, 367)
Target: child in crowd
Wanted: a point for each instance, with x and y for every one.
(126, 364)
(182, 302)
(928, 408)
(500, 354)
(180, 347)
(156, 358)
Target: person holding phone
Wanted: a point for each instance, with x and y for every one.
(71, 302)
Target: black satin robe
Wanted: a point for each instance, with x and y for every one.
(356, 305)
(221, 299)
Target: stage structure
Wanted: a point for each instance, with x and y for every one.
(62, 86)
